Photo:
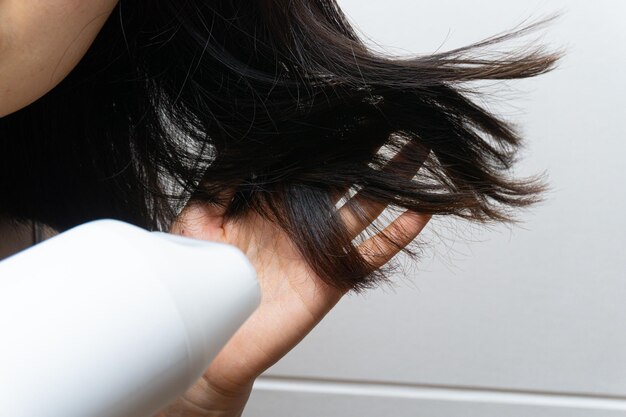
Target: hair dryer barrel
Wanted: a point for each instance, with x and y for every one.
(109, 320)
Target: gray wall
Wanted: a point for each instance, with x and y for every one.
(523, 321)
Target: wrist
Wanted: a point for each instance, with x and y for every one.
(223, 401)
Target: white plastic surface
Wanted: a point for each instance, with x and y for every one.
(109, 320)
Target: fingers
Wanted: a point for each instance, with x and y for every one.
(203, 220)
(199, 221)
(379, 249)
(359, 212)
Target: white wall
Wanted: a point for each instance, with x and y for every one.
(529, 321)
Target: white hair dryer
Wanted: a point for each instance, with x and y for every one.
(109, 320)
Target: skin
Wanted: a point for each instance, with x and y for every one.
(41, 41)
(294, 300)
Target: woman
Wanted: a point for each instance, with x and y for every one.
(248, 122)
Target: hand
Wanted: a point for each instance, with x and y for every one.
(294, 300)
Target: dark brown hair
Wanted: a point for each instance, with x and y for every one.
(278, 99)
